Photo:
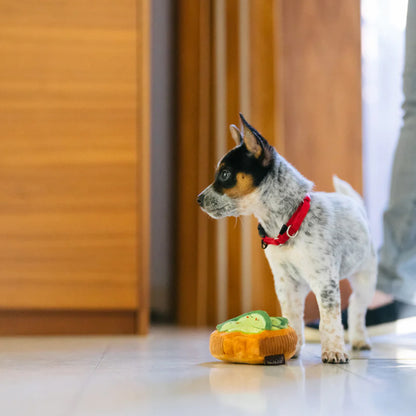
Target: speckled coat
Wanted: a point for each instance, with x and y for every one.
(333, 241)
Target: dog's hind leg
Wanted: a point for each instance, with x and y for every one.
(363, 285)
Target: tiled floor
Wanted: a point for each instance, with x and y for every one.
(171, 372)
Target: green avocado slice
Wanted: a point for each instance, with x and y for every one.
(278, 322)
(249, 323)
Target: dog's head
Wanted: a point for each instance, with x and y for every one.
(239, 174)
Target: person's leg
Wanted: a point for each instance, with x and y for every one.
(397, 265)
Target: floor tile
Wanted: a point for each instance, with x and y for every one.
(171, 372)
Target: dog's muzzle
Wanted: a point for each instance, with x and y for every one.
(200, 199)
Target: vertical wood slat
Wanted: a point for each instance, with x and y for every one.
(232, 109)
(143, 14)
(195, 230)
(264, 115)
(205, 137)
(187, 168)
(220, 137)
(244, 96)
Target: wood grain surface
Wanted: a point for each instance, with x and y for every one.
(321, 89)
(68, 322)
(68, 155)
(194, 242)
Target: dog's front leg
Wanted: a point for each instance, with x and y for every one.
(291, 295)
(330, 326)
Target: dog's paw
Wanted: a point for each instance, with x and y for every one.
(361, 345)
(335, 357)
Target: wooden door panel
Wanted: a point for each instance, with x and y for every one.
(68, 154)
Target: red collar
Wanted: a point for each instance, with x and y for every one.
(291, 228)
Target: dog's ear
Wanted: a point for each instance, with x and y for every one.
(256, 144)
(236, 134)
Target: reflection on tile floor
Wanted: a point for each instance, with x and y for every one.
(171, 372)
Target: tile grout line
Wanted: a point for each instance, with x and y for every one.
(356, 375)
(77, 396)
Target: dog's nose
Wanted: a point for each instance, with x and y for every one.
(200, 199)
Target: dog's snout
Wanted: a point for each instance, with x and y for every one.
(200, 199)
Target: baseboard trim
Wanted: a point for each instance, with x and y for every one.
(68, 322)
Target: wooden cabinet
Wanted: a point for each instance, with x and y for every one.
(74, 166)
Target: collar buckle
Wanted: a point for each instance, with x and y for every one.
(293, 224)
(291, 235)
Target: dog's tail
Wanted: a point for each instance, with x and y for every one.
(345, 188)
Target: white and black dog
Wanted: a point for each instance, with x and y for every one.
(332, 243)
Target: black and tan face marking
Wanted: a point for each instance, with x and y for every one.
(239, 173)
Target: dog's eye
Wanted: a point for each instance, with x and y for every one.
(225, 175)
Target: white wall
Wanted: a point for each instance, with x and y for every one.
(383, 25)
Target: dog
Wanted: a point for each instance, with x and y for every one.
(332, 241)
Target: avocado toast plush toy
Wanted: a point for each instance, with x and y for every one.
(254, 338)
